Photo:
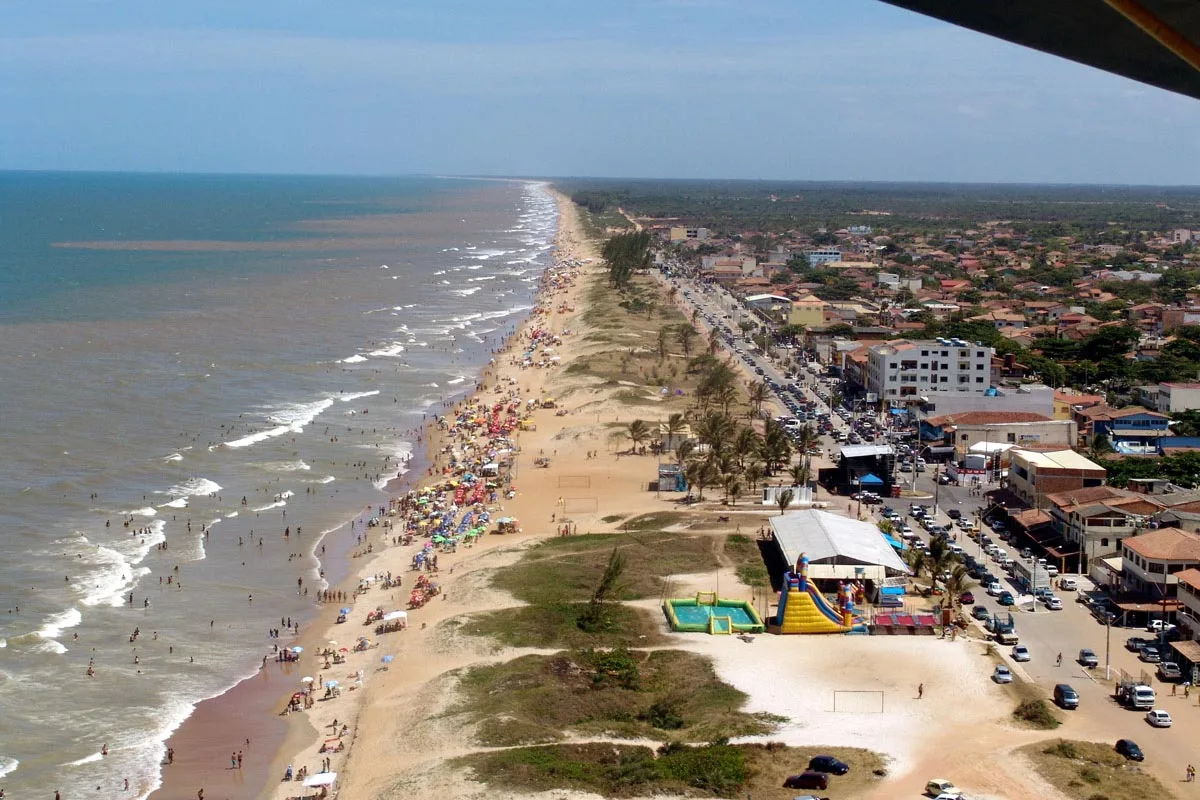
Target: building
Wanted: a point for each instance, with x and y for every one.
(1170, 398)
(684, 234)
(823, 255)
(808, 311)
(1066, 402)
(837, 548)
(862, 467)
(769, 303)
(905, 368)
(1132, 425)
(1033, 474)
(1032, 398)
(1096, 520)
(1021, 428)
(1151, 565)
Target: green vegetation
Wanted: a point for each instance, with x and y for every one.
(1036, 713)
(596, 616)
(710, 770)
(557, 625)
(744, 553)
(624, 253)
(620, 693)
(1091, 771)
(1182, 469)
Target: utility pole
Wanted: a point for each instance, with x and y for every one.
(1107, 645)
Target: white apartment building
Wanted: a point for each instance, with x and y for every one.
(905, 368)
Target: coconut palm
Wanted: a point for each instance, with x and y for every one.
(637, 432)
(938, 559)
(683, 453)
(757, 394)
(733, 487)
(702, 474)
(686, 334)
(664, 334)
(783, 500)
(715, 430)
(776, 447)
(1100, 447)
(714, 342)
(958, 583)
(675, 425)
(745, 444)
(799, 473)
(753, 474)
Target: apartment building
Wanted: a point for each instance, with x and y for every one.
(1170, 398)
(903, 368)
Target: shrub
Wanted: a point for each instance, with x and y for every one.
(1037, 713)
(663, 715)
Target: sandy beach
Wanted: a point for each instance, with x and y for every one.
(383, 734)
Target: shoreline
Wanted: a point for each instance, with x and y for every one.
(250, 709)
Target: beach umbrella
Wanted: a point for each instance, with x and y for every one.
(344, 611)
(297, 649)
(387, 659)
(320, 779)
(306, 679)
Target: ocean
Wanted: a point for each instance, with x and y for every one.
(203, 381)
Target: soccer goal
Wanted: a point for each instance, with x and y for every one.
(574, 481)
(847, 701)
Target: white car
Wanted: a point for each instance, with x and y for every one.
(1002, 674)
(1053, 603)
(1158, 718)
(1020, 653)
(994, 588)
(1068, 584)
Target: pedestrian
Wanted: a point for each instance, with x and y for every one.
(1173, 688)
(1191, 773)
(233, 760)
(920, 690)
(1058, 661)
(239, 759)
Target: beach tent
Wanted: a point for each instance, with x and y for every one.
(391, 615)
(320, 779)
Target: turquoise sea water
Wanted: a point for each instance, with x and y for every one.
(191, 364)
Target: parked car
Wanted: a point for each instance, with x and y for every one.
(981, 613)
(994, 588)
(1157, 626)
(1002, 674)
(1150, 654)
(1006, 599)
(1068, 585)
(937, 786)
(1158, 718)
(1020, 653)
(1053, 603)
(1065, 696)
(1130, 749)
(828, 764)
(1169, 671)
(807, 780)
(1087, 657)
(1134, 644)
(966, 598)
(953, 513)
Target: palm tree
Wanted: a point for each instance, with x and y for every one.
(1100, 447)
(758, 394)
(716, 431)
(783, 500)
(745, 444)
(799, 473)
(702, 474)
(753, 473)
(675, 426)
(733, 487)
(683, 452)
(937, 559)
(638, 432)
(664, 333)
(958, 583)
(686, 334)
(915, 559)
(714, 342)
(777, 447)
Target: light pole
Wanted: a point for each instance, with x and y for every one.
(1107, 645)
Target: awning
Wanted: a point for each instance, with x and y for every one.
(870, 479)
(391, 615)
(1187, 650)
(1153, 607)
(896, 543)
(321, 779)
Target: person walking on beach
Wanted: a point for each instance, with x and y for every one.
(920, 690)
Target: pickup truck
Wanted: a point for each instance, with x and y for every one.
(1008, 639)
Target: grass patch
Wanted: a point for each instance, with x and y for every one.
(566, 569)
(1092, 771)
(556, 625)
(714, 770)
(1036, 714)
(629, 694)
(744, 552)
(611, 518)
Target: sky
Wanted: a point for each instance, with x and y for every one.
(770, 89)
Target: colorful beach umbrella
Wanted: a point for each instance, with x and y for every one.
(387, 659)
(297, 649)
(345, 611)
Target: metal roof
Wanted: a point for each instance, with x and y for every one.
(860, 450)
(1151, 41)
(829, 538)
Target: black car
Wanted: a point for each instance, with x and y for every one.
(1135, 644)
(815, 780)
(1127, 748)
(828, 764)
(954, 513)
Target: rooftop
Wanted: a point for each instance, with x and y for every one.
(823, 536)
(1055, 459)
(987, 418)
(1165, 544)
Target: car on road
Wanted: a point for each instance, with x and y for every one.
(828, 764)
(994, 588)
(940, 786)
(1065, 696)
(1134, 644)
(1158, 718)
(966, 599)
(1169, 672)
(1020, 653)
(1002, 674)
(1053, 603)
(1087, 657)
(981, 613)
(1150, 654)
(954, 513)
(807, 780)
(1157, 626)
(1068, 585)
(1006, 599)
(1129, 748)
